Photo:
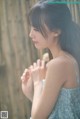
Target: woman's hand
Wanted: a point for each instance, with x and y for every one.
(38, 71)
(32, 76)
(27, 84)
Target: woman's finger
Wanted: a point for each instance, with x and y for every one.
(34, 65)
(31, 67)
(25, 70)
(43, 65)
(38, 62)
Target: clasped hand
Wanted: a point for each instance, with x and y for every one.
(33, 76)
(38, 71)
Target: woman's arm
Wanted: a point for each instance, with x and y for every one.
(27, 85)
(27, 82)
(44, 102)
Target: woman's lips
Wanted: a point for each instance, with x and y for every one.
(35, 41)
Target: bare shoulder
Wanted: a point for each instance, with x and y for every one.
(62, 62)
(58, 63)
(63, 69)
(57, 69)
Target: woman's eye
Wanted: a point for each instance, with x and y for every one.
(36, 29)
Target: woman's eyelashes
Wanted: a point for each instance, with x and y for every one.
(36, 29)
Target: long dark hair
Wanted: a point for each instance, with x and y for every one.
(57, 16)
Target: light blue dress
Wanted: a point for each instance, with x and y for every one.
(68, 104)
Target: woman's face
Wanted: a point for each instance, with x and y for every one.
(39, 41)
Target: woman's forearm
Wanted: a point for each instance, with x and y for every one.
(28, 89)
(37, 93)
(29, 94)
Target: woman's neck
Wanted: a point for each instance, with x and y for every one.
(56, 51)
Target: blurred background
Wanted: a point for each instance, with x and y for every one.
(17, 52)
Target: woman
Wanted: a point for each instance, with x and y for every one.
(58, 96)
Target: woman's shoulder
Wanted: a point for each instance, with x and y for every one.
(62, 65)
(59, 61)
(58, 68)
(62, 61)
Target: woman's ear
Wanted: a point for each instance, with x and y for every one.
(57, 33)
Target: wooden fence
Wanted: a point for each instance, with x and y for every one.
(16, 53)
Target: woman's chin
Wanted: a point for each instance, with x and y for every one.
(39, 47)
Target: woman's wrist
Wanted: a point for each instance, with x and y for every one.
(37, 83)
(38, 87)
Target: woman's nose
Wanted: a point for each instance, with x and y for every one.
(31, 34)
